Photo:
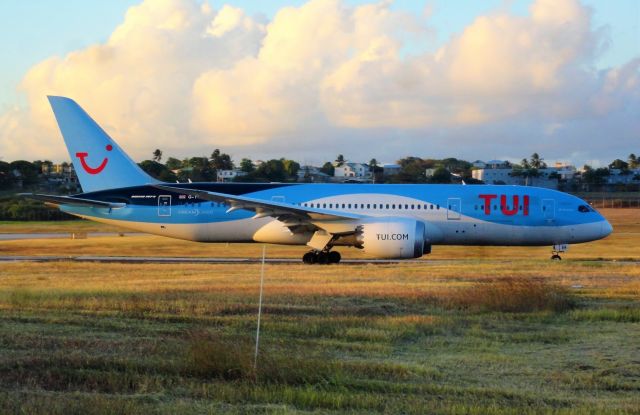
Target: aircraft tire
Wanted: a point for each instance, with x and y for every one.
(310, 258)
(334, 257)
(323, 258)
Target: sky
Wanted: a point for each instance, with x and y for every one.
(308, 80)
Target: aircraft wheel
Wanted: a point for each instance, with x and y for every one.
(556, 257)
(309, 258)
(323, 258)
(334, 257)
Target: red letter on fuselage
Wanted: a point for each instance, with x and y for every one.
(487, 202)
(505, 209)
(525, 207)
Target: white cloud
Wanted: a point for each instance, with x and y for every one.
(325, 78)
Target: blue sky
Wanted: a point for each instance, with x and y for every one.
(34, 30)
(40, 30)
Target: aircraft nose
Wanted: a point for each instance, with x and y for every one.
(606, 228)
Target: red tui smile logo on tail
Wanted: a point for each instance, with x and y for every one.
(93, 170)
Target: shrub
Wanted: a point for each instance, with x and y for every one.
(515, 295)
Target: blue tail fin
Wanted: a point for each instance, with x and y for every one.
(99, 162)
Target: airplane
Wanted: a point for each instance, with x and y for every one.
(387, 221)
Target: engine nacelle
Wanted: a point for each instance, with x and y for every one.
(393, 238)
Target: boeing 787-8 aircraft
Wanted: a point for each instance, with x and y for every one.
(385, 220)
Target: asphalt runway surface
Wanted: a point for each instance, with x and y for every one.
(203, 260)
(187, 260)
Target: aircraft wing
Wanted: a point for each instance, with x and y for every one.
(263, 207)
(70, 200)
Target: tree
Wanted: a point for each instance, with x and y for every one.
(340, 160)
(157, 155)
(376, 172)
(594, 177)
(158, 171)
(221, 161)
(272, 170)
(246, 165)
(441, 175)
(327, 168)
(412, 170)
(173, 163)
(634, 162)
(6, 178)
(201, 170)
(619, 164)
(27, 172)
(290, 168)
(525, 170)
(537, 162)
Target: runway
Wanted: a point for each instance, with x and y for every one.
(191, 260)
(231, 260)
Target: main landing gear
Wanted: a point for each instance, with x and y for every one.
(321, 257)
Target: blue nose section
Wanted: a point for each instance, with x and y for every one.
(606, 228)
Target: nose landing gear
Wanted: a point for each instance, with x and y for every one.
(321, 257)
(557, 250)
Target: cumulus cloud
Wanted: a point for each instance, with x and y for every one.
(324, 78)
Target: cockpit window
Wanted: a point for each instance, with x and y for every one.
(585, 208)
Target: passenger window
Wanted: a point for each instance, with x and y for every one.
(349, 205)
(368, 206)
(393, 206)
(387, 206)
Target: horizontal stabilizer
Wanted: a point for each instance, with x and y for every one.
(70, 200)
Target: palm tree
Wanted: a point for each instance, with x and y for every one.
(537, 162)
(157, 155)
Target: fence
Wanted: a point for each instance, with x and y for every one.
(601, 203)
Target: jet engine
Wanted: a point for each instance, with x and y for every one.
(393, 238)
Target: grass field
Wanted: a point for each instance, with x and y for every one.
(498, 331)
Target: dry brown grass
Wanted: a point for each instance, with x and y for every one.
(513, 295)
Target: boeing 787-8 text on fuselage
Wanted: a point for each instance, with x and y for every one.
(385, 220)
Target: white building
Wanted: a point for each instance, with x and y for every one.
(229, 175)
(496, 176)
(352, 171)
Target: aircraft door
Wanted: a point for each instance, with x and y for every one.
(549, 209)
(164, 205)
(453, 208)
